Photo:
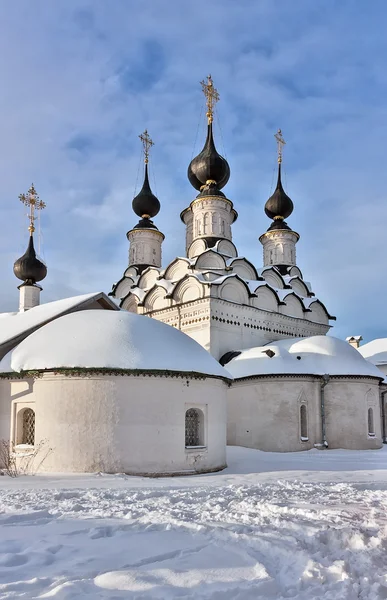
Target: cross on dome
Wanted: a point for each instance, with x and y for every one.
(33, 202)
(280, 144)
(147, 143)
(212, 97)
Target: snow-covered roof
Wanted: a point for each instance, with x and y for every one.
(316, 355)
(15, 326)
(110, 339)
(375, 351)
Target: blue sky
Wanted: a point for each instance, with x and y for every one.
(80, 80)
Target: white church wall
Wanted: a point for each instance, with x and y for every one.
(279, 247)
(145, 247)
(265, 413)
(220, 325)
(133, 424)
(5, 409)
(346, 406)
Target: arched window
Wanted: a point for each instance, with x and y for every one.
(28, 427)
(371, 427)
(205, 223)
(303, 422)
(214, 224)
(194, 428)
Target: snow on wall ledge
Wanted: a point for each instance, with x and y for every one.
(316, 355)
(110, 339)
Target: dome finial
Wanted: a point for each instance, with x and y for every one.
(280, 144)
(212, 97)
(145, 204)
(147, 143)
(33, 202)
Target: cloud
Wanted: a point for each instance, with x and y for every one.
(80, 83)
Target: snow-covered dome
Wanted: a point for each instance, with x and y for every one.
(317, 355)
(375, 351)
(110, 339)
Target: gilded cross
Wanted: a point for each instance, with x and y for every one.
(147, 142)
(280, 144)
(33, 202)
(212, 97)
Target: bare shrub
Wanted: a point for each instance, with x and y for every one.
(26, 461)
(8, 458)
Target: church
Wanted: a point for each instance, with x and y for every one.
(179, 360)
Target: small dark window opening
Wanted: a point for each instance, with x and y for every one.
(303, 422)
(371, 426)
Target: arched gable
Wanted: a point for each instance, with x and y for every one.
(148, 277)
(196, 248)
(123, 287)
(235, 290)
(227, 248)
(156, 298)
(210, 260)
(299, 286)
(177, 269)
(244, 268)
(273, 278)
(188, 290)
(131, 272)
(130, 303)
(266, 299)
(295, 272)
(293, 306)
(318, 313)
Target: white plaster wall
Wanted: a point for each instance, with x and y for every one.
(12, 392)
(212, 217)
(346, 405)
(5, 409)
(126, 423)
(29, 296)
(279, 247)
(220, 326)
(265, 414)
(145, 247)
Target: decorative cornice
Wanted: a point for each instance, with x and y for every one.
(97, 371)
(316, 378)
(279, 233)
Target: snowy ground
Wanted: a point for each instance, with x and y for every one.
(271, 526)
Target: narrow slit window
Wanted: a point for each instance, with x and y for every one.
(303, 422)
(371, 426)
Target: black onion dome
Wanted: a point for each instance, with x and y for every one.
(146, 203)
(208, 165)
(279, 204)
(28, 267)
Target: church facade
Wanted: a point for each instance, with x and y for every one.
(187, 357)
